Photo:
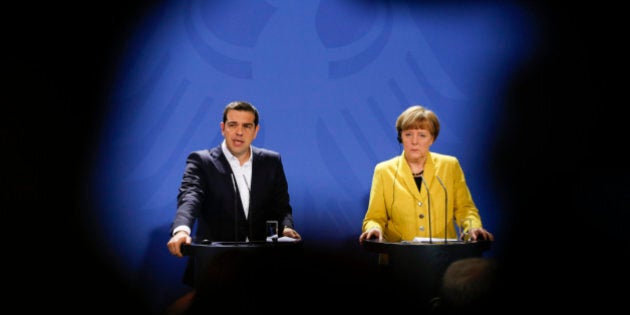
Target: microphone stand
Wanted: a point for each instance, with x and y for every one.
(445, 208)
(235, 208)
(429, 209)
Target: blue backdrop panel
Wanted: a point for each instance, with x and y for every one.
(329, 79)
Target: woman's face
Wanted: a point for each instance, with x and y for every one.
(416, 143)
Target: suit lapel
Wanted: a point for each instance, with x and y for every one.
(219, 160)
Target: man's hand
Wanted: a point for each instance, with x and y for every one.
(175, 243)
(289, 232)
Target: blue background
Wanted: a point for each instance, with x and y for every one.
(103, 102)
(329, 79)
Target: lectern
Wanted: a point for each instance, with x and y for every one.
(415, 268)
(240, 258)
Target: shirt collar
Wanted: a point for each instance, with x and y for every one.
(232, 159)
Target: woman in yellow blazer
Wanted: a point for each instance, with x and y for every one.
(406, 187)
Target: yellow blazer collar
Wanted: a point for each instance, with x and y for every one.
(408, 179)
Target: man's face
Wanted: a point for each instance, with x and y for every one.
(239, 131)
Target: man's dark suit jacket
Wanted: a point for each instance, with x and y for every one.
(208, 194)
(208, 198)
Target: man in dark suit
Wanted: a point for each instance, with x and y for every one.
(231, 190)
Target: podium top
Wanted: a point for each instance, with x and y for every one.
(384, 246)
(199, 247)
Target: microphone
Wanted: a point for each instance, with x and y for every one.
(429, 208)
(445, 207)
(236, 195)
(249, 194)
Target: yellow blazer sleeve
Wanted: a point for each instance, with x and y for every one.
(376, 215)
(461, 204)
(386, 197)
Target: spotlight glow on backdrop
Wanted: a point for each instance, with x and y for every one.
(329, 79)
